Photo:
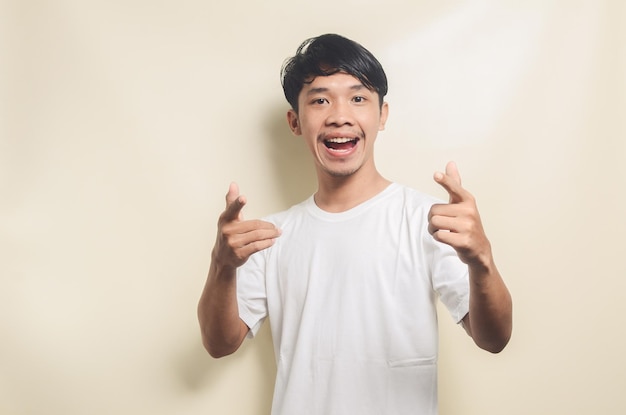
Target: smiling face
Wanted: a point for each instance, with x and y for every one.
(339, 118)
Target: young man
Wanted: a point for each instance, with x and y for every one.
(349, 278)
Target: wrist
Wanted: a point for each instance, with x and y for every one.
(221, 267)
(483, 263)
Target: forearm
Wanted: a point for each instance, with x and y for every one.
(221, 328)
(489, 321)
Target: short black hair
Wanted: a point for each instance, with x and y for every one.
(326, 55)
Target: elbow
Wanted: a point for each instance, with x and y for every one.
(219, 343)
(494, 345)
(219, 355)
(492, 336)
(217, 350)
(492, 341)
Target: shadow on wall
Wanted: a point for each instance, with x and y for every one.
(294, 174)
(290, 159)
(197, 371)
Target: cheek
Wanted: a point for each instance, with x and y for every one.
(373, 124)
(309, 136)
(309, 128)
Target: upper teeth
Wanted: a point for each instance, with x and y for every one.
(339, 140)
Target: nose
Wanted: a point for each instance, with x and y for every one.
(340, 114)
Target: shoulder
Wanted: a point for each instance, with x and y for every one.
(413, 199)
(296, 211)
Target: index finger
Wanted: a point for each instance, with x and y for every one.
(451, 182)
(234, 203)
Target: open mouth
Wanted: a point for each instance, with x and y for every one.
(341, 143)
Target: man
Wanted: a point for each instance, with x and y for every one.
(349, 278)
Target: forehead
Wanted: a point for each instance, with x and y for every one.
(337, 82)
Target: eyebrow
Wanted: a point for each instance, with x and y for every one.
(355, 87)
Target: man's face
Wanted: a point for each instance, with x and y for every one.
(339, 118)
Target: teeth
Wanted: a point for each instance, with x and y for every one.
(339, 140)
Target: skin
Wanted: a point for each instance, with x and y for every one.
(333, 108)
(340, 106)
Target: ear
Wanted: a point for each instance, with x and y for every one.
(294, 122)
(384, 113)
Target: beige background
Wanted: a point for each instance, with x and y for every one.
(122, 123)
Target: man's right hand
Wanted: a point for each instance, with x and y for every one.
(237, 238)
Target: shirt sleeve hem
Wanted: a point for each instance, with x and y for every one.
(253, 322)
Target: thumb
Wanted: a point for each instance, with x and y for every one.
(233, 193)
(234, 203)
(451, 182)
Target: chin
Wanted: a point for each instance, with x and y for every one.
(339, 173)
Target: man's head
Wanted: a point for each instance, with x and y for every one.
(326, 55)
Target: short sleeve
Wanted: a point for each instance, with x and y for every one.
(450, 278)
(251, 293)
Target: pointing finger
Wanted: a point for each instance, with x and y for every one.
(453, 171)
(234, 203)
(233, 193)
(451, 182)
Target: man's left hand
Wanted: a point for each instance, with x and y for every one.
(457, 223)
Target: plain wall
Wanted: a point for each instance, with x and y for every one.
(123, 122)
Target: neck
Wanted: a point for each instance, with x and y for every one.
(338, 194)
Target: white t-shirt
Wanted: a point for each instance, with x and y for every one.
(351, 302)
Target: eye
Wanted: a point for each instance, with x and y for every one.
(319, 101)
(359, 99)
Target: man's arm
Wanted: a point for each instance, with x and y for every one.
(489, 321)
(221, 328)
(458, 224)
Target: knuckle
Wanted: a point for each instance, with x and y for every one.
(227, 232)
(257, 235)
(258, 245)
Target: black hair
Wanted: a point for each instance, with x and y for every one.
(326, 55)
